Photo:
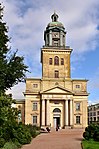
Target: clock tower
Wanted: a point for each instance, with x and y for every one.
(55, 55)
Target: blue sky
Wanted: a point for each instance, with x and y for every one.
(27, 20)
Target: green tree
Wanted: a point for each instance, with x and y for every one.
(12, 71)
(12, 67)
(8, 116)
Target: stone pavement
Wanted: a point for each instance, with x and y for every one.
(62, 139)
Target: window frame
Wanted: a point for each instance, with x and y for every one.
(56, 74)
(62, 61)
(35, 85)
(78, 119)
(35, 106)
(56, 60)
(77, 86)
(34, 119)
(50, 61)
(77, 106)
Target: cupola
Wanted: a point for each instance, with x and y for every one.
(54, 35)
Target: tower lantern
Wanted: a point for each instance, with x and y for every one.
(54, 34)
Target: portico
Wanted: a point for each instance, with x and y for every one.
(57, 107)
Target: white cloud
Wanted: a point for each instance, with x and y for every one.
(90, 102)
(17, 91)
(27, 21)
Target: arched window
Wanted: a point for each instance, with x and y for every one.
(56, 60)
(56, 74)
(56, 110)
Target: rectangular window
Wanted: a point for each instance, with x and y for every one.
(50, 61)
(94, 113)
(55, 43)
(90, 114)
(94, 118)
(97, 112)
(35, 85)
(77, 119)
(77, 106)
(56, 74)
(77, 86)
(34, 106)
(34, 120)
(91, 119)
(62, 61)
(94, 108)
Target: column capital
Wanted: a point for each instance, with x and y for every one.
(66, 99)
(47, 99)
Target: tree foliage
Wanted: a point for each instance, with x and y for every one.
(12, 71)
(12, 67)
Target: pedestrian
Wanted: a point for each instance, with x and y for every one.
(48, 129)
(57, 128)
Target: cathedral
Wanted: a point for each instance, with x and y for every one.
(55, 99)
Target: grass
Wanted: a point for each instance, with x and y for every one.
(90, 144)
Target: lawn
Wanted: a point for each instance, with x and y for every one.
(90, 144)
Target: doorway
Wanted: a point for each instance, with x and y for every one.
(56, 122)
(56, 117)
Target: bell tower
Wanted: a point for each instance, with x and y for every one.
(55, 55)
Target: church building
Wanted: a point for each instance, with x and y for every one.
(55, 99)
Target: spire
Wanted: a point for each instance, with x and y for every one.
(54, 17)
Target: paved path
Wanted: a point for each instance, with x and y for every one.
(63, 139)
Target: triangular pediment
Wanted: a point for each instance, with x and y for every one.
(57, 90)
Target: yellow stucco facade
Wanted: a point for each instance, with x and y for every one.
(56, 99)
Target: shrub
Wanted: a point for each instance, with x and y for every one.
(96, 135)
(2, 142)
(23, 135)
(15, 141)
(19, 134)
(86, 135)
(92, 131)
(10, 145)
(34, 130)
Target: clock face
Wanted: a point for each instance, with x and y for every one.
(56, 35)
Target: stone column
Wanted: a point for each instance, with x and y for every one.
(66, 112)
(71, 112)
(50, 38)
(48, 113)
(46, 40)
(61, 38)
(43, 112)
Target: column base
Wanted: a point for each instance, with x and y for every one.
(67, 127)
